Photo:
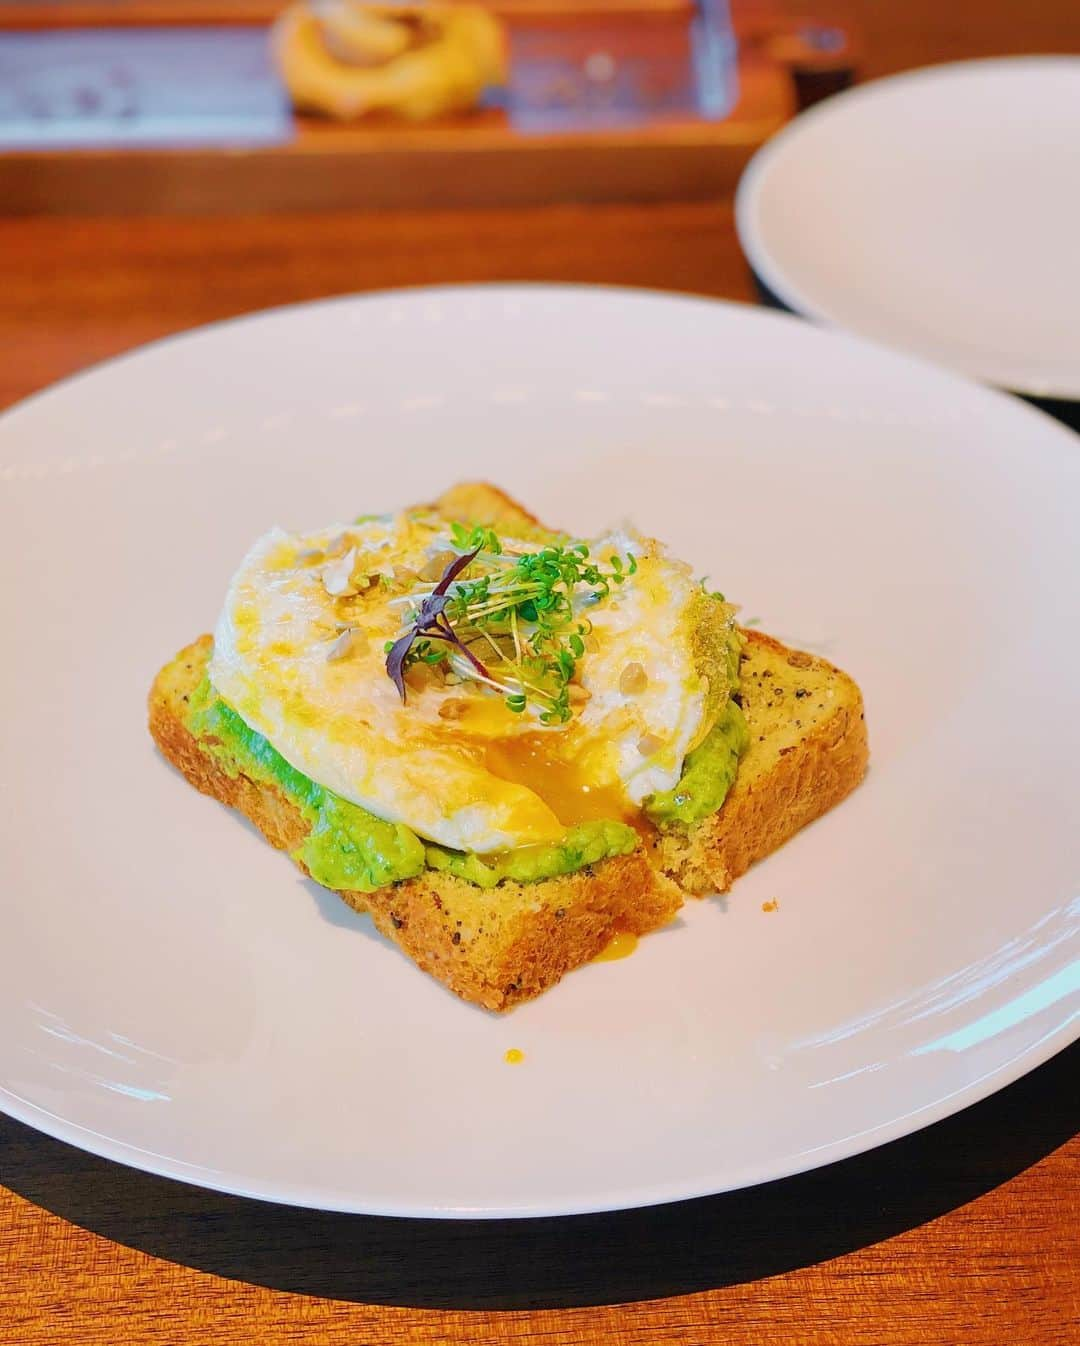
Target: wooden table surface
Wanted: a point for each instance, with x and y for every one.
(967, 1232)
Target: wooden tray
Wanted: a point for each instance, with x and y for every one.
(608, 100)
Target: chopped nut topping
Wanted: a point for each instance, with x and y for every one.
(577, 695)
(649, 745)
(797, 659)
(453, 709)
(633, 679)
(433, 570)
(351, 641)
(337, 577)
(423, 675)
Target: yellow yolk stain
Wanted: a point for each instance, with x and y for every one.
(514, 1056)
(771, 905)
(621, 945)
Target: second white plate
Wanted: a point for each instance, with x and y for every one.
(937, 211)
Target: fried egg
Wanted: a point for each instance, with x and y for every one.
(300, 655)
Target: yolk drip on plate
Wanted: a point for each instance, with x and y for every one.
(621, 945)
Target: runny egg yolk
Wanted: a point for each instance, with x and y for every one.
(489, 732)
(563, 785)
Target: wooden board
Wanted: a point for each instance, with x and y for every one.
(41, 14)
(645, 106)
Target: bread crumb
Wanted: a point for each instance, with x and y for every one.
(514, 1056)
(771, 905)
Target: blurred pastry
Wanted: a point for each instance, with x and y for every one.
(346, 59)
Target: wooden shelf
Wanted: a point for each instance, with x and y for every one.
(652, 102)
(33, 14)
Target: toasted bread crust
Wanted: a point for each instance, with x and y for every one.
(480, 502)
(787, 778)
(493, 947)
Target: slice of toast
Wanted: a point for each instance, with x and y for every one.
(808, 749)
(494, 946)
(497, 947)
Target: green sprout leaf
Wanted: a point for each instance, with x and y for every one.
(519, 610)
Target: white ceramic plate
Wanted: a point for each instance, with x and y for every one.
(175, 996)
(938, 212)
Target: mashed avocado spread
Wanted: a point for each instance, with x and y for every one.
(349, 848)
(582, 845)
(708, 773)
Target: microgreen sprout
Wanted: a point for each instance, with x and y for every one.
(430, 622)
(521, 609)
(476, 538)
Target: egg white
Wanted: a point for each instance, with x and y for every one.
(341, 721)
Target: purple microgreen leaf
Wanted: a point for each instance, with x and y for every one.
(458, 644)
(480, 668)
(431, 622)
(442, 630)
(430, 608)
(453, 570)
(395, 660)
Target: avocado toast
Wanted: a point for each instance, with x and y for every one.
(749, 752)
